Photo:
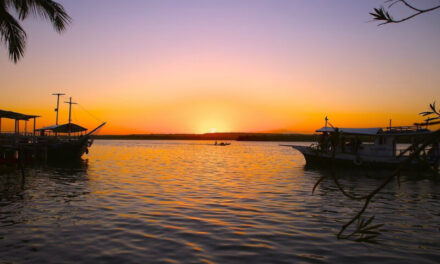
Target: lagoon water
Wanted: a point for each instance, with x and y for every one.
(191, 202)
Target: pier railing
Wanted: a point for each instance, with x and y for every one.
(12, 133)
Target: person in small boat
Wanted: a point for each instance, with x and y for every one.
(215, 143)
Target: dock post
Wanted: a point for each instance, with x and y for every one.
(33, 133)
(21, 157)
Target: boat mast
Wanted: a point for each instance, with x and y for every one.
(58, 105)
(70, 112)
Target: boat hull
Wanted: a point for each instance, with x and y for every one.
(67, 150)
(314, 157)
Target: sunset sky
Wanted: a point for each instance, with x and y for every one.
(197, 66)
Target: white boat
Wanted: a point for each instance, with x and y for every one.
(369, 147)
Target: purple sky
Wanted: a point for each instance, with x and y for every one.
(248, 65)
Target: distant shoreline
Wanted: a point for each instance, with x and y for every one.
(233, 136)
(214, 136)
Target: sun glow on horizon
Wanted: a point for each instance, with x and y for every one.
(204, 67)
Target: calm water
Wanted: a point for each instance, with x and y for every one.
(189, 202)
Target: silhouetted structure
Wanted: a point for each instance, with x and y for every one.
(344, 146)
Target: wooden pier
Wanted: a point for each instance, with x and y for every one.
(20, 145)
(62, 142)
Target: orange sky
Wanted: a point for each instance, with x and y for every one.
(204, 66)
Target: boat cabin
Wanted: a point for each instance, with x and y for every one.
(68, 129)
(379, 142)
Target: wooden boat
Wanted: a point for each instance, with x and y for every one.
(66, 141)
(369, 147)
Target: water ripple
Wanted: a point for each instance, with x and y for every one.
(189, 202)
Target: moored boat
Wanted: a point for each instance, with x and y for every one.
(370, 147)
(66, 141)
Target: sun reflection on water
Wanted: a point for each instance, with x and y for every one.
(191, 201)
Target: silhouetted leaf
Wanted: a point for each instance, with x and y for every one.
(368, 239)
(369, 232)
(374, 227)
(369, 220)
(13, 35)
(432, 118)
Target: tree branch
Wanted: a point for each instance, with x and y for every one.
(367, 232)
(381, 14)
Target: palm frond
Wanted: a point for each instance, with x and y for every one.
(47, 9)
(12, 35)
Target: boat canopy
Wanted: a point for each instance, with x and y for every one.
(353, 131)
(15, 115)
(65, 128)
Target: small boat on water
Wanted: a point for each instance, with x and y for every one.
(369, 147)
(221, 144)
